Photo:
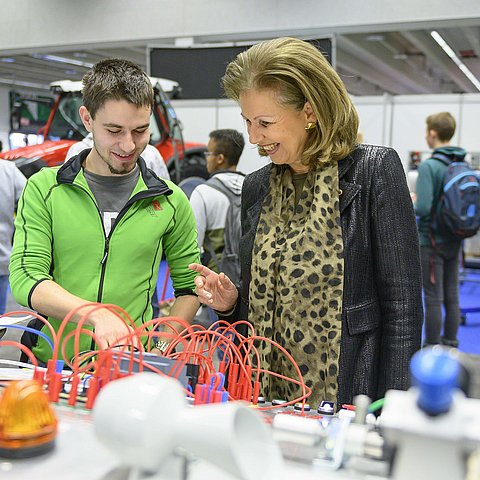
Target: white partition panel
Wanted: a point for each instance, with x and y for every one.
(198, 117)
(396, 121)
(470, 123)
(408, 120)
(384, 120)
(371, 112)
(229, 117)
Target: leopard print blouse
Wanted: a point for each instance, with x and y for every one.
(296, 290)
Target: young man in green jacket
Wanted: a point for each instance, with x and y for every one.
(440, 260)
(95, 229)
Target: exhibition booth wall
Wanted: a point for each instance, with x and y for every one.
(396, 121)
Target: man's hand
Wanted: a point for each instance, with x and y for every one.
(52, 300)
(215, 290)
(111, 330)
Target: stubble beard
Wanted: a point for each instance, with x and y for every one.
(116, 171)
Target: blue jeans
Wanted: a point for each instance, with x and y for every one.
(440, 287)
(3, 293)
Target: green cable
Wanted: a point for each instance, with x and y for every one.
(376, 405)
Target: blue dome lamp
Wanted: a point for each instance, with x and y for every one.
(432, 426)
(435, 372)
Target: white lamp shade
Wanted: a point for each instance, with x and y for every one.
(135, 418)
(143, 418)
(232, 436)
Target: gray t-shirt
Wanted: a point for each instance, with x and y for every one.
(111, 193)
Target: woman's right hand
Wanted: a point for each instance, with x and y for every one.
(213, 289)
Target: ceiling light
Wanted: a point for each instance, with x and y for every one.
(20, 83)
(375, 37)
(449, 51)
(7, 60)
(69, 61)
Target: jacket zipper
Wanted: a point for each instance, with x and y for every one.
(123, 211)
(105, 248)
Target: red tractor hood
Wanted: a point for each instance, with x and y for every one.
(51, 152)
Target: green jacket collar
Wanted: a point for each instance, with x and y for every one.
(454, 153)
(73, 167)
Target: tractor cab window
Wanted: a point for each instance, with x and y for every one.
(167, 123)
(67, 123)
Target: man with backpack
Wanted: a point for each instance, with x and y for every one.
(447, 206)
(216, 203)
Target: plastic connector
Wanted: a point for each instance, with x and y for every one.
(54, 386)
(51, 368)
(39, 375)
(233, 374)
(59, 364)
(245, 389)
(214, 392)
(256, 392)
(91, 393)
(200, 394)
(222, 367)
(72, 397)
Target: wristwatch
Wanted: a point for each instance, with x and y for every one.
(161, 345)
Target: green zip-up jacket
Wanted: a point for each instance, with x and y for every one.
(60, 236)
(429, 189)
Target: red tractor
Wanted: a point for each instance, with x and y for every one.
(64, 127)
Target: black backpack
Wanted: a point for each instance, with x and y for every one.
(457, 213)
(230, 261)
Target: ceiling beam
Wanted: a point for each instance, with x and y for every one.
(355, 66)
(376, 60)
(425, 43)
(473, 36)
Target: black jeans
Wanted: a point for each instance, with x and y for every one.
(440, 286)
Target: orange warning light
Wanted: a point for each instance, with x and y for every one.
(28, 425)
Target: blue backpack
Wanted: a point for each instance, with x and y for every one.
(458, 211)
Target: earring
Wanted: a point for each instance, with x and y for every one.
(311, 126)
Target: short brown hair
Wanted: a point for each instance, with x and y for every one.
(230, 143)
(116, 79)
(299, 73)
(443, 123)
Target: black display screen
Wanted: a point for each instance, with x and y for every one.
(199, 70)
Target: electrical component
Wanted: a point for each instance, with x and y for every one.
(300, 407)
(326, 408)
(189, 358)
(161, 346)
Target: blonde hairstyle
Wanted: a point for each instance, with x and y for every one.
(299, 73)
(443, 123)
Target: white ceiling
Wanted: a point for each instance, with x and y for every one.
(393, 62)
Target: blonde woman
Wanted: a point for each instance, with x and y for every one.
(329, 247)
